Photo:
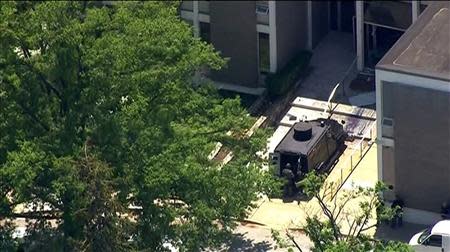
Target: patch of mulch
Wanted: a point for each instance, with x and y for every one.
(363, 83)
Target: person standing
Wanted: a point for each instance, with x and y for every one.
(445, 211)
(289, 185)
(397, 206)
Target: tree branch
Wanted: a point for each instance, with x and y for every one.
(293, 241)
(328, 214)
(43, 79)
(33, 117)
(41, 215)
(366, 217)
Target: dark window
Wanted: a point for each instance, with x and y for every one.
(435, 241)
(423, 7)
(205, 32)
(262, 7)
(264, 52)
(389, 13)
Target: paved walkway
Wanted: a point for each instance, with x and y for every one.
(330, 61)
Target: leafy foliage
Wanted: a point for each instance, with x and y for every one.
(328, 234)
(281, 82)
(103, 124)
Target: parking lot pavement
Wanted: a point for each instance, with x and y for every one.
(251, 237)
(403, 233)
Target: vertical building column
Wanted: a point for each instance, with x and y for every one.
(359, 34)
(273, 36)
(379, 111)
(310, 31)
(195, 20)
(415, 10)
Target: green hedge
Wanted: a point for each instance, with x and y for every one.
(279, 83)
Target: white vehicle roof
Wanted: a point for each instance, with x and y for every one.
(441, 228)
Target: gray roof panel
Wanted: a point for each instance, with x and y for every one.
(424, 49)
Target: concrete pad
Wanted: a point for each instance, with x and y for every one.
(279, 215)
(363, 99)
(276, 214)
(366, 174)
(253, 238)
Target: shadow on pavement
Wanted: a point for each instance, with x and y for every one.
(299, 196)
(240, 244)
(403, 233)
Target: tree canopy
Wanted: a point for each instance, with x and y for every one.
(102, 122)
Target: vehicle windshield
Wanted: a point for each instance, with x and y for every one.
(424, 235)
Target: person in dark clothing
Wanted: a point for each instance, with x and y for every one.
(379, 210)
(445, 211)
(397, 206)
(289, 186)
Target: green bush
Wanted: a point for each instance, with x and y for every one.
(279, 83)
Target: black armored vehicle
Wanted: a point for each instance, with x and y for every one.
(309, 145)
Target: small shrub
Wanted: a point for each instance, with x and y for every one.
(279, 83)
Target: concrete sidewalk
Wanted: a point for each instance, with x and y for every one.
(330, 61)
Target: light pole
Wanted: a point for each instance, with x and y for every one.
(329, 100)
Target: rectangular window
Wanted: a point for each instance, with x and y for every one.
(389, 13)
(264, 52)
(262, 7)
(435, 241)
(205, 32)
(187, 5)
(387, 127)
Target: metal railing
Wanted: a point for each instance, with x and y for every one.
(346, 168)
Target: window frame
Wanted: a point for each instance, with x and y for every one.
(435, 243)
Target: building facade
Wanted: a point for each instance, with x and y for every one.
(413, 116)
(260, 37)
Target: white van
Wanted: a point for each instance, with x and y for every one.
(433, 239)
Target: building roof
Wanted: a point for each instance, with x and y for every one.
(290, 145)
(441, 228)
(424, 49)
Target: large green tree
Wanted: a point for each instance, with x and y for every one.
(101, 120)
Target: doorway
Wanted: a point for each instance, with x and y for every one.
(378, 41)
(341, 15)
